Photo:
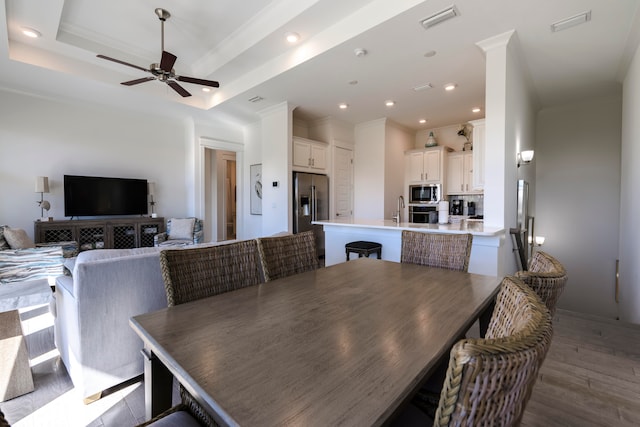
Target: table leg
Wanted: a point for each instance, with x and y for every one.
(158, 385)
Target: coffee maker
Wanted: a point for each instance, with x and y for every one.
(471, 208)
(456, 207)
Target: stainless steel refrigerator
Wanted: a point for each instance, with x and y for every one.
(310, 203)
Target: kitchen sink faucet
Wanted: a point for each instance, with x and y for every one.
(398, 216)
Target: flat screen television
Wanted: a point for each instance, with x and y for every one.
(98, 196)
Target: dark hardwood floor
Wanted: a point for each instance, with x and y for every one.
(591, 377)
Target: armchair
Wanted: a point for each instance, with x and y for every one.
(180, 232)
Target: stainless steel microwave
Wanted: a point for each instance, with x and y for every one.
(425, 193)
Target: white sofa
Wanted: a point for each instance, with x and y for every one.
(92, 309)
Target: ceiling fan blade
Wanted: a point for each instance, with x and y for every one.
(122, 62)
(175, 86)
(167, 61)
(137, 81)
(202, 82)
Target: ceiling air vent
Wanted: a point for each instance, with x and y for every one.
(443, 15)
(571, 22)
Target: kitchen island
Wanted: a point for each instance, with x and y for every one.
(485, 250)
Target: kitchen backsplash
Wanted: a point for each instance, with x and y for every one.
(477, 199)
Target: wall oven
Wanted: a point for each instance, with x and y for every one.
(423, 214)
(425, 193)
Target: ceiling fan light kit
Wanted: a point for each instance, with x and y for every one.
(163, 71)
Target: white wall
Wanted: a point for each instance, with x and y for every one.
(578, 198)
(630, 196)
(252, 224)
(510, 127)
(276, 166)
(369, 170)
(398, 140)
(40, 136)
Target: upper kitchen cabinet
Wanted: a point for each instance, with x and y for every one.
(309, 155)
(460, 173)
(425, 166)
(478, 154)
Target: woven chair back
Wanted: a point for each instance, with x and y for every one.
(489, 381)
(547, 277)
(283, 256)
(450, 251)
(194, 273)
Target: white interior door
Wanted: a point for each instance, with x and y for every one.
(343, 172)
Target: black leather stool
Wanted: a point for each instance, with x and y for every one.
(363, 248)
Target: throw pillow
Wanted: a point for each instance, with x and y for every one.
(3, 242)
(17, 238)
(181, 228)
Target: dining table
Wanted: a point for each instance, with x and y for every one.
(343, 345)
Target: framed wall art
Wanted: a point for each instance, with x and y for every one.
(256, 189)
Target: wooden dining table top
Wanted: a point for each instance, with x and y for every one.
(342, 345)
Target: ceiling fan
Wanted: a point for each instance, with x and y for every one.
(164, 71)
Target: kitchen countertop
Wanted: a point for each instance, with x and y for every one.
(476, 228)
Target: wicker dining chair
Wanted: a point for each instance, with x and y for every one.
(193, 273)
(547, 277)
(282, 256)
(450, 251)
(489, 380)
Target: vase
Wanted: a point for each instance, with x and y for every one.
(431, 141)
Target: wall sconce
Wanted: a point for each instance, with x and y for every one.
(525, 157)
(151, 190)
(539, 240)
(42, 186)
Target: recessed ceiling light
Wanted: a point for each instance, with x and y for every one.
(389, 103)
(450, 86)
(475, 110)
(422, 121)
(343, 106)
(206, 89)
(571, 22)
(430, 54)
(443, 15)
(292, 37)
(30, 32)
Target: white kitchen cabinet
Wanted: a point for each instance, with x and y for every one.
(460, 173)
(425, 166)
(309, 155)
(478, 154)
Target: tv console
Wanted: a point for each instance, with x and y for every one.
(110, 233)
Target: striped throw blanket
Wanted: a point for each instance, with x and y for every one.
(20, 265)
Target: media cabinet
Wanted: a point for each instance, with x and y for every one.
(112, 233)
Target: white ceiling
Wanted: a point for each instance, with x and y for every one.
(241, 45)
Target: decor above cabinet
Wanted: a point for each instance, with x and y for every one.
(309, 155)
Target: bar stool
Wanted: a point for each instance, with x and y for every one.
(363, 248)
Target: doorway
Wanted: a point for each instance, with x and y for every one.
(221, 200)
(343, 182)
(230, 199)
